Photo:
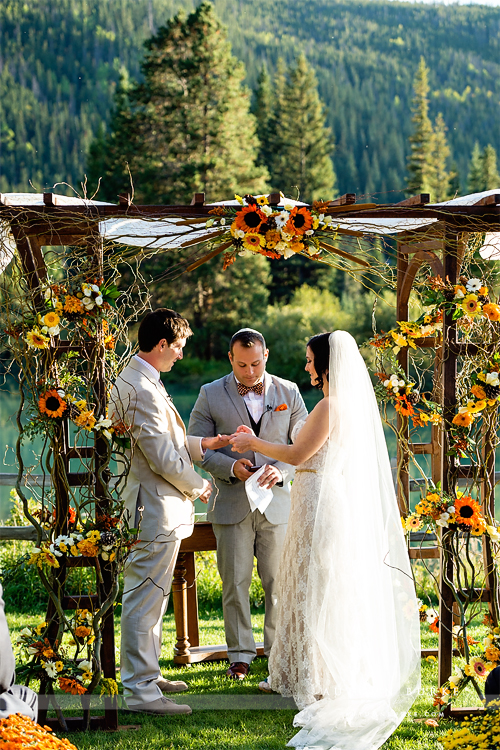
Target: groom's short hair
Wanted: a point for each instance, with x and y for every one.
(247, 337)
(162, 324)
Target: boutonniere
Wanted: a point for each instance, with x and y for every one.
(281, 407)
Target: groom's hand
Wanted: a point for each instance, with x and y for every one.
(204, 496)
(213, 443)
(240, 471)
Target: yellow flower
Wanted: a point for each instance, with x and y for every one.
(262, 200)
(478, 391)
(400, 340)
(59, 666)
(463, 419)
(475, 407)
(37, 340)
(85, 419)
(87, 675)
(74, 551)
(40, 628)
(471, 305)
(254, 241)
(413, 523)
(51, 320)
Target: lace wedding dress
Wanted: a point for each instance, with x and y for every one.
(296, 667)
(347, 642)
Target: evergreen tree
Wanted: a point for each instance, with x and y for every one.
(187, 127)
(483, 172)
(263, 110)
(302, 142)
(475, 177)
(421, 138)
(438, 177)
(491, 178)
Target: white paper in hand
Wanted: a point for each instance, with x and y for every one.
(258, 497)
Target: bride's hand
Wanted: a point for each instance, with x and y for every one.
(241, 441)
(244, 428)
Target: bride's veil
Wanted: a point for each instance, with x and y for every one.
(361, 606)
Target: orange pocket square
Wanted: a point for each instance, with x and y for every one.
(281, 407)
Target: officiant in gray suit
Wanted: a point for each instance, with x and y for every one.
(271, 406)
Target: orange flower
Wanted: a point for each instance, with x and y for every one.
(87, 548)
(73, 305)
(272, 239)
(85, 419)
(249, 219)
(281, 407)
(297, 246)
(51, 404)
(492, 311)
(17, 731)
(492, 653)
(403, 407)
(467, 511)
(69, 685)
(299, 222)
(479, 392)
(109, 342)
(464, 419)
(434, 626)
(82, 631)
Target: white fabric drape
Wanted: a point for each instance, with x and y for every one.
(361, 606)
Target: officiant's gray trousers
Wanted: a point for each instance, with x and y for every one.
(237, 545)
(147, 582)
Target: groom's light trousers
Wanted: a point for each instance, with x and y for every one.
(237, 545)
(147, 582)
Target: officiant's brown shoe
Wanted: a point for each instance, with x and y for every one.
(238, 670)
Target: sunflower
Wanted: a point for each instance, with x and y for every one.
(467, 511)
(51, 320)
(464, 419)
(254, 241)
(471, 305)
(249, 219)
(51, 404)
(479, 392)
(300, 221)
(492, 311)
(262, 200)
(37, 340)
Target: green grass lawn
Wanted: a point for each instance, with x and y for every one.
(236, 715)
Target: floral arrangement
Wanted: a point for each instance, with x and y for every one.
(18, 731)
(71, 673)
(396, 388)
(407, 333)
(274, 231)
(461, 513)
(466, 300)
(481, 731)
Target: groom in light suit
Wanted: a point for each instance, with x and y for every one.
(271, 406)
(161, 486)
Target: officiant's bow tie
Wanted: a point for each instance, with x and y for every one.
(244, 389)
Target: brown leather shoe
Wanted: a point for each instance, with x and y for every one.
(238, 670)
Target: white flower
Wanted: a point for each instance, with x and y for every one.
(244, 253)
(431, 615)
(88, 303)
(87, 290)
(493, 533)
(473, 285)
(85, 665)
(288, 206)
(281, 248)
(107, 434)
(309, 231)
(222, 222)
(387, 383)
(451, 509)
(401, 383)
(455, 679)
(25, 631)
(103, 422)
(104, 555)
(238, 233)
(54, 331)
(459, 294)
(444, 516)
(286, 237)
(107, 547)
(487, 642)
(95, 288)
(281, 219)
(266, 210)
(44, 329)
(327, 221)
(444, 524)
(209, 223)
(47, 293)
(98, 300)
(492, 378)
(287, 252)
(32, 650)
(50, 668)
(55, 551)
(462, 410)
(427, 330)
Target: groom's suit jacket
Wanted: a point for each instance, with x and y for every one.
(220, 409)
(162, 478)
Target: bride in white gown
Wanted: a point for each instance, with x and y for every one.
(347, 644)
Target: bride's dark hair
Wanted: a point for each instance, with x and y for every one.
(320, 347)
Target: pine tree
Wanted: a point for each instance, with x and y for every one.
(438, 177)
(187, 127)
(421, 139)
(302, 142)
(483, 172)
(263, 110)
(491, 178)
(475, 177)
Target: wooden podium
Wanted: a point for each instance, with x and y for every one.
(187, 649)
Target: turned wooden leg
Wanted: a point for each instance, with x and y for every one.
(192, 600)
(179, 594)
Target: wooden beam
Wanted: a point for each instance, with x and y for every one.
(421, 448)
(415, 200)
(423, 553)
(124, 199)
(489, 200)
(345, 200)
(426, 247)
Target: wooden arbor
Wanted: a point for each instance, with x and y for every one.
(53, 224)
